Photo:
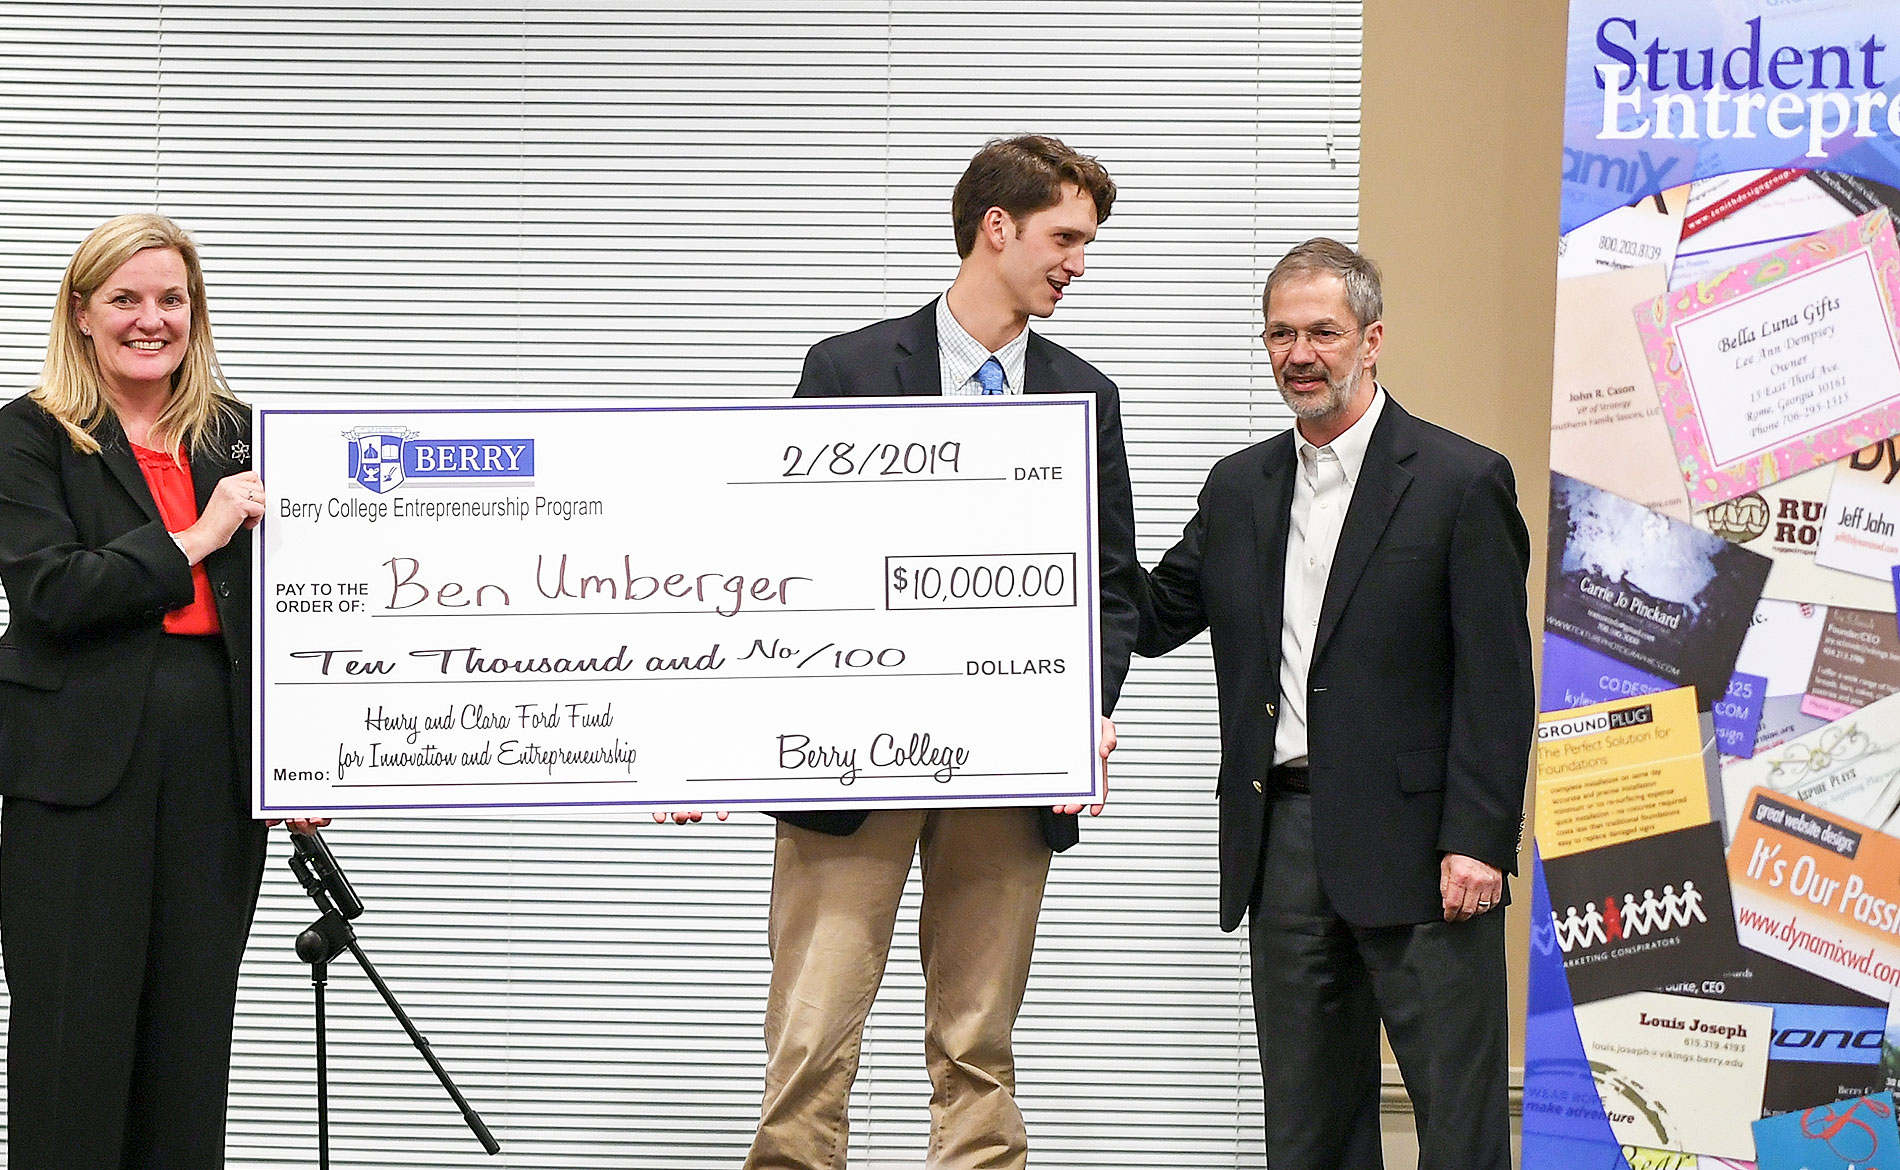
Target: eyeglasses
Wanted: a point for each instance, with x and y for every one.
(1281, 338)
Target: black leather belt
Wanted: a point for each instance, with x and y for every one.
(1286, 778)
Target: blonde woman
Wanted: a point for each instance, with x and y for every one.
(129, 863)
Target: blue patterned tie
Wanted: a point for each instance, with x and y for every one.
(990, 376)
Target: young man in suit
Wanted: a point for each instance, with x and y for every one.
(1023, 213)
(1363, 576)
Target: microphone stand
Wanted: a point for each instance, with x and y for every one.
(326, 938)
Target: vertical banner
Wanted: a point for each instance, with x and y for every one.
(1715, 940)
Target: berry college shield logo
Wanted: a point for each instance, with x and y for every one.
(376, 458)
(384, 457)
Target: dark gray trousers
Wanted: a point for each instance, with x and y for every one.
(1321, 987)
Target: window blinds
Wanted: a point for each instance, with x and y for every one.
(627, 199)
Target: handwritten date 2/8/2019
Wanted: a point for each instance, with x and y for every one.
(847, 460)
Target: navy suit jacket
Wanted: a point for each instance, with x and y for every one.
(90, 573)
(1421, 705)
(900, 356)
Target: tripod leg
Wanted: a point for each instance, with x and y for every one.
(469, 1116)
(323, 1072)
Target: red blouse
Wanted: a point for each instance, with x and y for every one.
(170, 481)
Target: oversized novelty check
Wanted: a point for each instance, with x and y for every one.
(831, 604)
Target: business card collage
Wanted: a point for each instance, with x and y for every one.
(1716, 912)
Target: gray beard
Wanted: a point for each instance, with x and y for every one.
(1337, 395)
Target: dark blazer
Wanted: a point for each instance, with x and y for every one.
(90, 573)
(1421, 704)
(898, 357)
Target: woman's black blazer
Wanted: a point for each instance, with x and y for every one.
(90, 572)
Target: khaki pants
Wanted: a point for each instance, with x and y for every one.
(834, 906)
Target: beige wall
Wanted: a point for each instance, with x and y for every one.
(1461, 150)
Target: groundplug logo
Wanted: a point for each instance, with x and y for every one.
(1602, 721)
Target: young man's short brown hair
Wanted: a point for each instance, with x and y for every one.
(1022, 176)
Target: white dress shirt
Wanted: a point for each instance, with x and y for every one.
(959, 355)
(1322, 491)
